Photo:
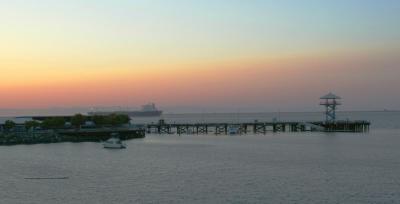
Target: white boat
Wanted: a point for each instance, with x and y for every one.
(114, 143)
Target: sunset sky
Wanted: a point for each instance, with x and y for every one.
(200, 55)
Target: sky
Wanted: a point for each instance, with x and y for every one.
(231, 55)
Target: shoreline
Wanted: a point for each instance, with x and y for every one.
(75, 136)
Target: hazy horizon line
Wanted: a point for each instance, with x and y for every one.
(193, 112)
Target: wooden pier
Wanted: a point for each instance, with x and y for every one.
(257, 127)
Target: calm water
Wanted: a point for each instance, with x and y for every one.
(271, 168)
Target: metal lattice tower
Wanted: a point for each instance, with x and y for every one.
(330, 101)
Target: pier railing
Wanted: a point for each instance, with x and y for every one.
(258, 127)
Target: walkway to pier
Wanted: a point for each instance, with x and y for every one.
(257, 127)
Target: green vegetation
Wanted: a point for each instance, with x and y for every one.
(9, 124)
(99, 120)
(31, 124)
(53, 123)
(56, 129)
(110, 120)
(78, 120)
(117, 120)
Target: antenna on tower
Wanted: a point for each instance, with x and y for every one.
(330, 101)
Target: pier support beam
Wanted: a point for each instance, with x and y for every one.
(260, 128)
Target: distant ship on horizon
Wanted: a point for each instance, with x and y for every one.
(148, 110)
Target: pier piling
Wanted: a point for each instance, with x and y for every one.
(259, 127)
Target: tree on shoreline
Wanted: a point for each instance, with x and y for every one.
(110, 120)
(9, 124)
(77, 120)
(113, 120)
(99, 120)
(53, 123)
(118, 119)
(31, 124)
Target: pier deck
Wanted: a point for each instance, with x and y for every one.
(257, 127)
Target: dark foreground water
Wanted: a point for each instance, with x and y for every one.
(271, 168)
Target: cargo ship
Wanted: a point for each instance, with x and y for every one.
(148, 110)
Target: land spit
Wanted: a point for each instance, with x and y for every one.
(69, 135)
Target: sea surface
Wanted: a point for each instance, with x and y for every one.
(270, 168)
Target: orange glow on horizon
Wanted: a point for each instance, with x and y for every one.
(174, 84)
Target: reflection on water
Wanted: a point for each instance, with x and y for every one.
(271, 168)
(379, 120)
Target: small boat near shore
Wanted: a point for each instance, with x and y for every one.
(114, 143)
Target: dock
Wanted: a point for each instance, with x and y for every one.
(330, 101)
(258, 127)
